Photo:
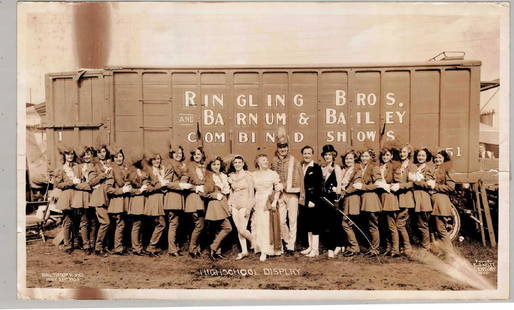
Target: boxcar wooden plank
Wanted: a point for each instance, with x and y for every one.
(63, 107)
(454, 128)
(425, 108)
(186, 109)
(213, 78)
(302, 110)
(245, 113)
(333, 109)
(97, 100)
(157, 92)
(108, 108)
(127, 108)
(365, 111)
(129, 78)
(126, 99)
(215, 103)
(396, 105)
(474, 120)
(426, 91)
(155, 78)
(273, 112)
(85, 102)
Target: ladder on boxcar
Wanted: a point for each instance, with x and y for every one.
(481, 205)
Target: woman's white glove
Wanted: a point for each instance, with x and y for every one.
(126, 188)
(383, 185)
(76, 180)
(419, 177)
(143, 188)
(412, 176)
(395, 187)
(219, 196)
(199, 189)
(431, 183)
(185, 185)
(357, 186)
(387, 187)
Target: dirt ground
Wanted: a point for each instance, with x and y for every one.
(48, 266)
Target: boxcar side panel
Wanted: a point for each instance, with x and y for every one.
(64, 95)
(425, 108)
(75, 114)
(333, 109)
(155, 112)
(238, 110)
(245, 113)
(302, 110)
(274, 97)
(186, 108)
(454, 125)
(396, 97)
(215, 102)
(365, 109)
(127, 109)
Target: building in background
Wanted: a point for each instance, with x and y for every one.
(37, 175)
(489, 139)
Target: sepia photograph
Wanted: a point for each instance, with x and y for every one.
(263, 150)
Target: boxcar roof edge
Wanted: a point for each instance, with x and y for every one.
(309, 66)
(264, 67)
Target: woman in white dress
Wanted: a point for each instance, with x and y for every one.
(267, 192)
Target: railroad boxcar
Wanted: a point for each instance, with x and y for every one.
(237, 109)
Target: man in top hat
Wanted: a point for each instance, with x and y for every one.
(291, 177)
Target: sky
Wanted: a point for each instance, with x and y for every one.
(60, 37)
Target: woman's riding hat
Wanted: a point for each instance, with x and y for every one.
(327, 149)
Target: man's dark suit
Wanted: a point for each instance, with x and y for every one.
(313, 184)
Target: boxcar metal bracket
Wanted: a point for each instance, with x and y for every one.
(73, 126)
(79, 75)
(156, 127)
(448, 55)
(486, 85)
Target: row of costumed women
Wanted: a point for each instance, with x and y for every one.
(391, 185)
(98, 191)
(104, 186)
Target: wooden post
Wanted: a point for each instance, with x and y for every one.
(28, 189)
(487, 211)
(58, 238)
(476, 201)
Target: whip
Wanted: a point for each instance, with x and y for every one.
(350, 220)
